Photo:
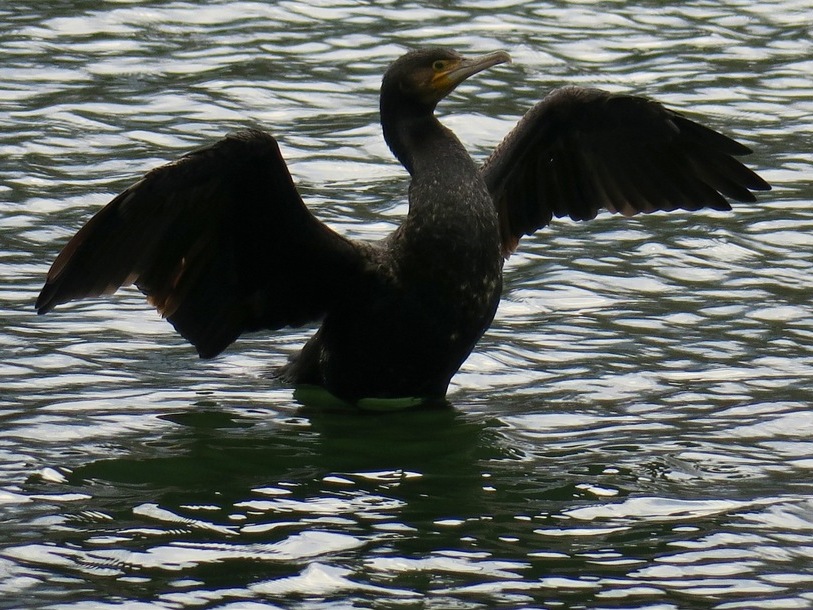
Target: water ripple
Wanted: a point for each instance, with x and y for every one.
(633, 431)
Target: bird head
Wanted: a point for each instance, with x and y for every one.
(423, 77)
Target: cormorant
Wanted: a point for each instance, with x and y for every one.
(222, 244)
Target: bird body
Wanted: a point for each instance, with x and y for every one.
(433, 286)
(222, 244)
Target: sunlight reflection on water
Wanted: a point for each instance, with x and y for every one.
(633, 431)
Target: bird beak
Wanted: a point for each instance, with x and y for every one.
(460, 71)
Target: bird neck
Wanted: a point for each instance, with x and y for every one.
(418, 139)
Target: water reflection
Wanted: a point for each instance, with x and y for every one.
(632, 432)
(462, 506)
(226, 487)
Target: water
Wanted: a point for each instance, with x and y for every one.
(634, 431)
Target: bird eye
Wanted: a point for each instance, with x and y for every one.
(439, 65)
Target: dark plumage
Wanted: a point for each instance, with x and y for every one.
(221, 242)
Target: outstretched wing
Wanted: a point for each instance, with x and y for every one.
(219, 241)
(580, 150)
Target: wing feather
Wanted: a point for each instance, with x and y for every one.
(580, 150)
(219, 241)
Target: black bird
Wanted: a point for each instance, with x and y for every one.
(222, 244)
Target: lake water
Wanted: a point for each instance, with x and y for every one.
(633, 432)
